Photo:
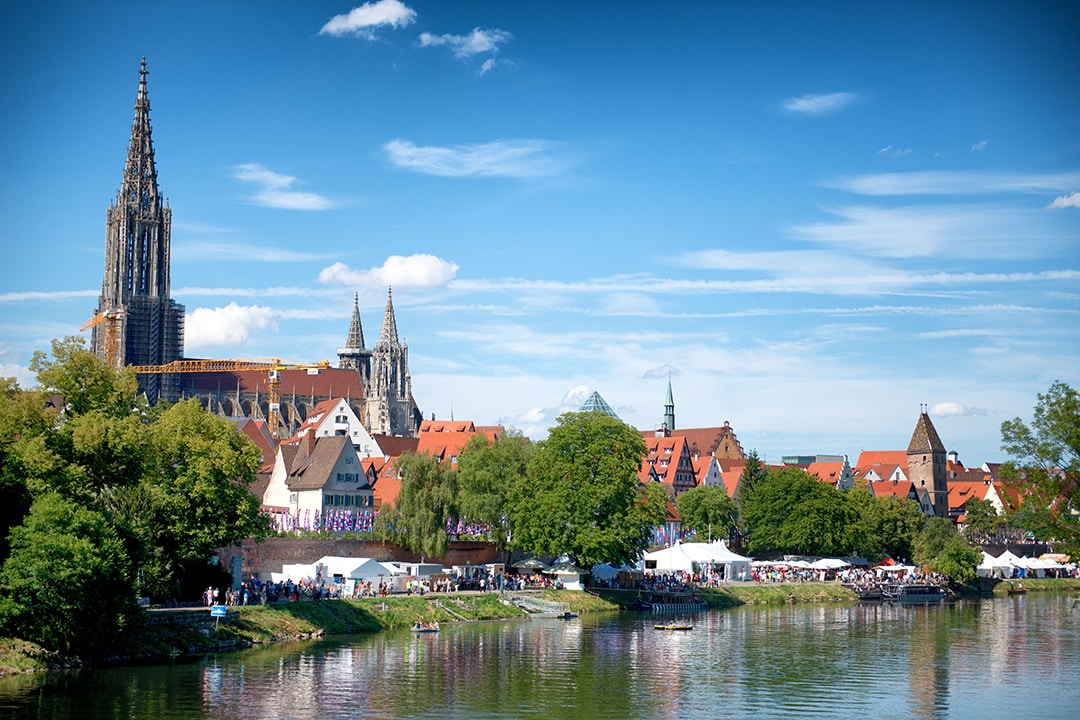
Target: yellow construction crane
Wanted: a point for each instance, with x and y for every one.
(273, 367)
(111, 320)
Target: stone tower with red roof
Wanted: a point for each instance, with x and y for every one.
(926, 458)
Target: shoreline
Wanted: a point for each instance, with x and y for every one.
(172, 635)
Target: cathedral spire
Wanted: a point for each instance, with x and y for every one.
(355, 340)
(140, 184)
(148, 328)
(388, 336)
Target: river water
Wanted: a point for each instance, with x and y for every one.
(994, 658)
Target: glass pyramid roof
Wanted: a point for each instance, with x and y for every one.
(595, 402)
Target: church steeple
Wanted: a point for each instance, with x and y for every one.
(136, 284)
(669, 409)
(389, 405)
(388, 335)
(354, 355)
(356, 330)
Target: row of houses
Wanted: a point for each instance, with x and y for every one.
(334, 474)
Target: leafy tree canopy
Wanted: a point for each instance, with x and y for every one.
(793, 512)
(84, 380)
(427, 500)
(753, 475)
(66, 584)
(582, 496)
(892, 524)
(486, 473)
(708, 510)
(1042, 481)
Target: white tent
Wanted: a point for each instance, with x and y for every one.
(828, 564)
(669, 559)
(994, 567)
(717, 553)
(325, 569)
(683, 557)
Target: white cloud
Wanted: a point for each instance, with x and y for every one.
(226, 327)
(894, 152)
(952, 183)
(923, 231)
(276, 189)
(414, 271)
(1065, 201)
(660, 372)
(10, 368)
(214, 251)
(980, 146)
(478, 42)
(364, 20)
(949, 409)
(819, 104)
(520, 159)
(25, 295)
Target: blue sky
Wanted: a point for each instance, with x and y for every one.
(812, 217)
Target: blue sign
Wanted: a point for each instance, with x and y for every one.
(217, 611)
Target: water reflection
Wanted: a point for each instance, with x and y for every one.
(965, 660)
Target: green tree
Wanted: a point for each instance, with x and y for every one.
(708, 510)
(84, 380)
(981, 520)
(753, 476)
(892, 524)
(582, 496)
(24, 422)
(67, 583)
(934, 538)
(1042, 481)
(486, 473)
(793, 512)
(427, 500)
(957, 561)
(193, 496)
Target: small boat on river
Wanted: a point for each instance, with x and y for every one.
(425, 627)
(1016, 589)
(674, 626)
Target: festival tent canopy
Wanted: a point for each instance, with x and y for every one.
(531, 564)
(828, 564)
(347, 568)
(683, 557)
(992, 566)
(896, 568)
(717, 553)
(670, 558)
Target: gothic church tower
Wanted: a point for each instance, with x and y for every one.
(388, 400)
(149, 326)
(354, 355)
(926, 464)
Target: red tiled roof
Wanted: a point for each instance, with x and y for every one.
(868, 458)
(387, 484)
(707, 441)
(962, 491)
(826, 471)
(887, 488)
(448, 426)
(395, 445)
(328, 382)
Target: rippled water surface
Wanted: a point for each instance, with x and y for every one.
(1002, 658)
